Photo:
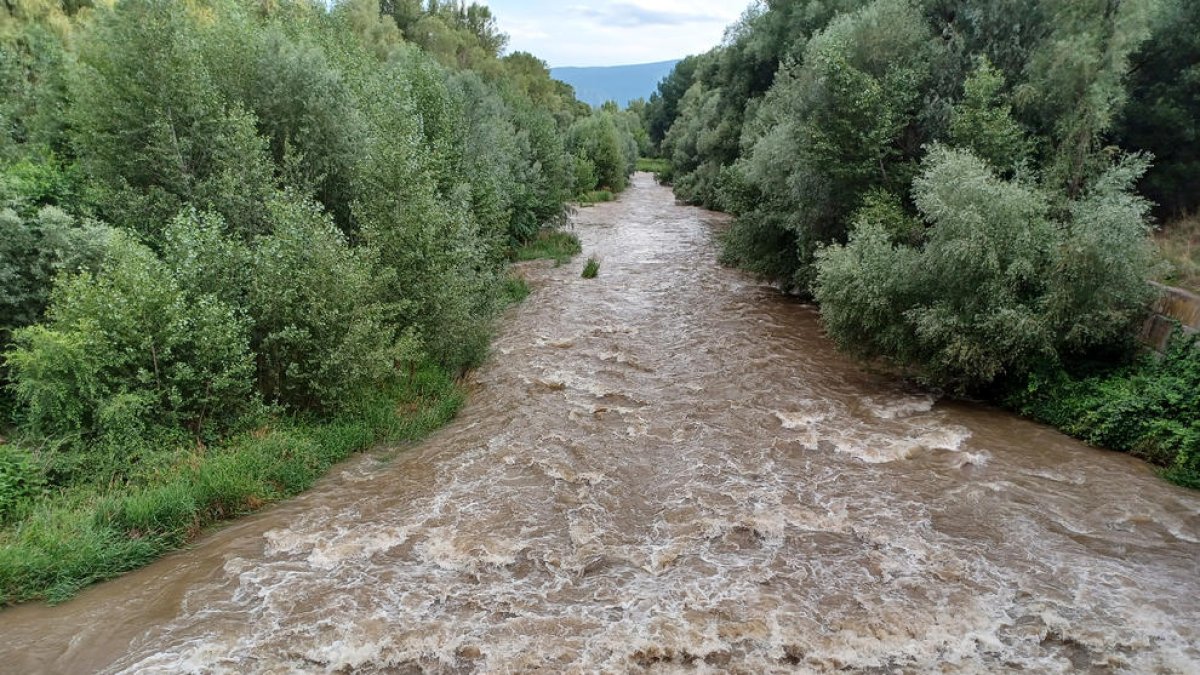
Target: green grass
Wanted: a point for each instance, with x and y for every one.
(550, 244)
(513, 290)
(596, 197)
(591, 269)
(1179, 242)
(653, 165)
(85, 534)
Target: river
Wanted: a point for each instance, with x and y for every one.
(669, 468)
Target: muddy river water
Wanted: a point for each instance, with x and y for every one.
(669, 468)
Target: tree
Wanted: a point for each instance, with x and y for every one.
(1000, 283)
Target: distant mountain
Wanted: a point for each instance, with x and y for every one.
(614, 83)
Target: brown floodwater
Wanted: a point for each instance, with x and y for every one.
(669, 468)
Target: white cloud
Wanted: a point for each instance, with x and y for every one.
(614, 33)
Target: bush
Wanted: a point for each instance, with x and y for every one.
(600, 141)
(1150, 407)
(126, 355)
(592, 269)
(35, 248)
(20, 481)
(151, 127)
(998, 285)
(321, 328)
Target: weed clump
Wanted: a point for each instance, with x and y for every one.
(591, 269)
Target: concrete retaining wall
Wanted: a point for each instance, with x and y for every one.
(1175, 305)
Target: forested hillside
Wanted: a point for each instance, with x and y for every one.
(965, 186)
(237, 236)
(620, 84)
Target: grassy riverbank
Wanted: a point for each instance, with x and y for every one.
(553, 245)
(65, 540)
(653, 165)
(1149, 407)
(54, 542)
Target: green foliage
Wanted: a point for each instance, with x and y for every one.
(653, 165)
(39, 179)
(555, 245)
(152, 129)
(592, 269)
(1149, 407)
(93, 533)
(605, 145)
(515, 289)
(33, 250)
(1163, 114)
(832, 128)
(127, 356)
(320, 323)
(21, 480)
(998, 285)
(983, 122)
(596, 197)
(205, 207)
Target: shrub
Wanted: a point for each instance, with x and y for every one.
(598, 140)
(320, 324)
(1149, 407)
(152, 128)
(35, 248)
(20, 481)
(126, 354)
(998, 284)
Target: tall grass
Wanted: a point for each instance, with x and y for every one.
(592, 269)
(653, 165)
(596, 197)
(82, 535)
(549, 244)
(1179, 242)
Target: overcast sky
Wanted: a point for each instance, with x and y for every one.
(581, 33)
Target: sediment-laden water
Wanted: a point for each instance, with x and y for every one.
(669, 468)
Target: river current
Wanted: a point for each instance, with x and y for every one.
(669, 468)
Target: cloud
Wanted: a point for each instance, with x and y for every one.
(629, 15)
(597, 33)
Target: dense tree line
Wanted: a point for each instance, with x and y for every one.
(966, 187)
(210, 210)
(956, 181)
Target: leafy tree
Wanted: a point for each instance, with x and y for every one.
(152, 129)
(33, 251)
(320, 324)
(982, 122)
(607, 147)
(1163, 113)
(999, 285)
(841, 123)
(126, 355)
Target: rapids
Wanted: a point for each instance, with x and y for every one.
(669, 468)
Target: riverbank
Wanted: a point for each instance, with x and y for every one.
(64, 541)
(1179, 241)
(1148, 407)
(55, 542)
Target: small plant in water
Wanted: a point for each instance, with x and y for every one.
(591, 269)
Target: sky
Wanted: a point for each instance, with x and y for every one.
(622, 32)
